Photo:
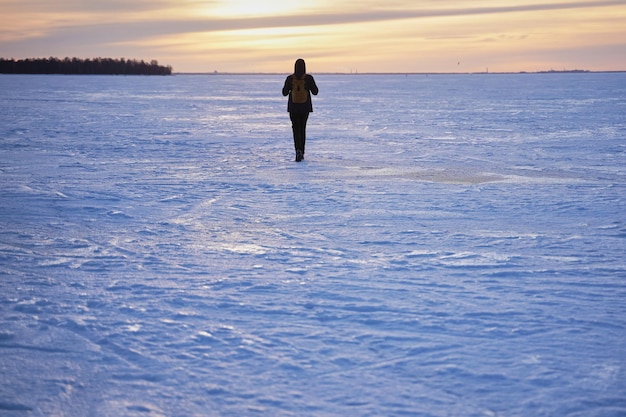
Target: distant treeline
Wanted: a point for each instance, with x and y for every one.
(96, 66)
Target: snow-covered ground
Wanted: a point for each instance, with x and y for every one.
(451, 246)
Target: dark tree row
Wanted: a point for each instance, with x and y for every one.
(94, 66)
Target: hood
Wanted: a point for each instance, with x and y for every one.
(299, 68)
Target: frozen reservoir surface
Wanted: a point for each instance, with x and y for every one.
(452, 245)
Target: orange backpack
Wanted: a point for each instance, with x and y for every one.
(299, 93)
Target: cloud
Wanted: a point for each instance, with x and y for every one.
(319, 19)
(82, 6)
(117, 31)
(125, 31)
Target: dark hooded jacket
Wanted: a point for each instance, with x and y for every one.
(309, 84)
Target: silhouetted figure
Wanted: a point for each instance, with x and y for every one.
(299, 87)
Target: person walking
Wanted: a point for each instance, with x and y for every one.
(299, 86)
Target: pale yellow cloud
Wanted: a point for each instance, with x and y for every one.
(252, 8)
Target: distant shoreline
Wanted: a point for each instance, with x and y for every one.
(79, 66)
(215, 73)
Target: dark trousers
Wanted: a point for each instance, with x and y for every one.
(298, 125)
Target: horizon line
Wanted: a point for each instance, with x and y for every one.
(575, 71)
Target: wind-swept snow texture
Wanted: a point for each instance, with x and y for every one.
(452, 246)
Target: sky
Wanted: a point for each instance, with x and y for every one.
(331, 35)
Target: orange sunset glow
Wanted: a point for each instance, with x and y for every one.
(334, 36)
